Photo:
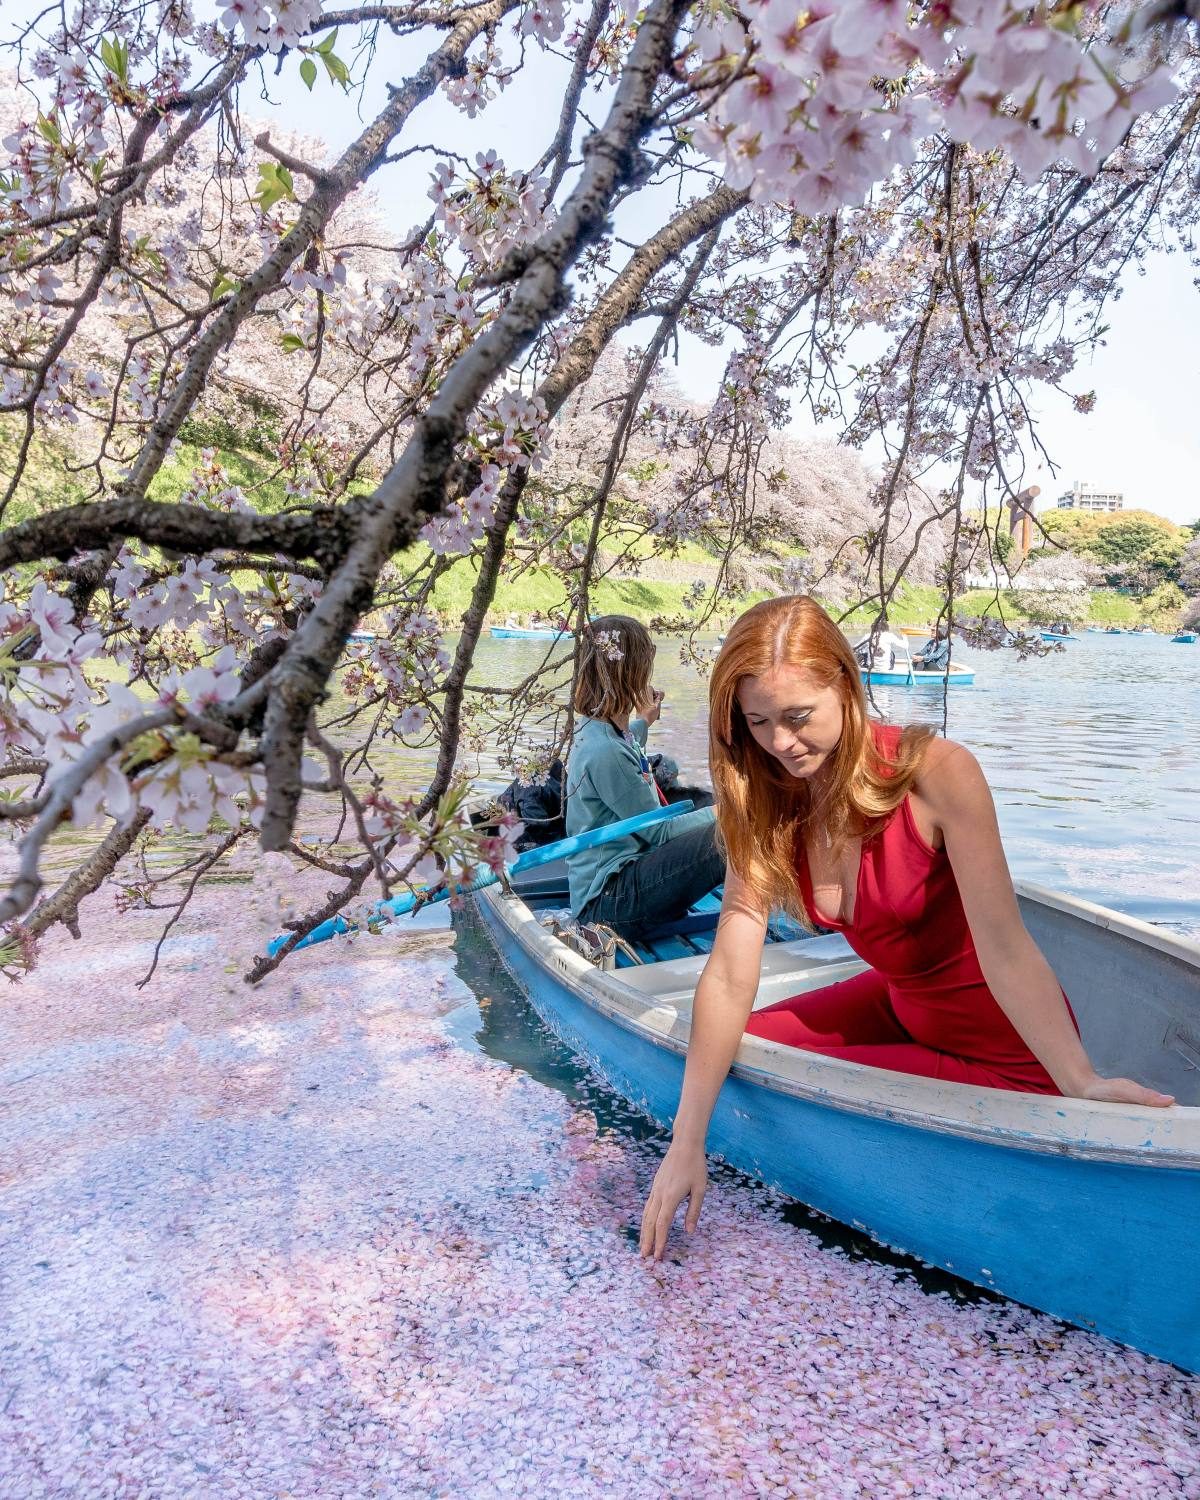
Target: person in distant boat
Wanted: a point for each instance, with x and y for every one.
(935, 657)
(881, 653)
(889, 836)
(636, 883)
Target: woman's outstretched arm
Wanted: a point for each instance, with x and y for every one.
(954, 788)
(724, 1000)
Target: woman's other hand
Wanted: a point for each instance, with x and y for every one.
(1123, 1091)
(683, 1174)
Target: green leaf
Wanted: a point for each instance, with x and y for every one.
(327, 43)
(336, 68)
(274, 183)
(224, 283)
(48, 129)
(291, 342)
(114, 54)
(308, 72)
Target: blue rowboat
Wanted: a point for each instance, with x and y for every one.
(902, 677)
(1049, 635)
(1086, 1211)
(1184, 638)
(530, 633)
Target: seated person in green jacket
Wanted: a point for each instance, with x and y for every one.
(636, 883)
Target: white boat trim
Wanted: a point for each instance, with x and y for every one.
(1077, 1128)
(1171, 943)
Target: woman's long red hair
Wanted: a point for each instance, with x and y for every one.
(764, 812)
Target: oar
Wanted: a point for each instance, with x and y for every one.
(399, 906)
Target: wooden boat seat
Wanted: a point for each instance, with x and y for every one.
(787, 969)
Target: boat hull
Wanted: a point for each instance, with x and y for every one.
(1105, 1242)
(514, 633)
(959, 677)
(1049, 635)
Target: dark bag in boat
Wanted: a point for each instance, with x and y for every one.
(539, 803)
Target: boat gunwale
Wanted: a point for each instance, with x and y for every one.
(836, 1083)
(1171, 943)
(880, 676)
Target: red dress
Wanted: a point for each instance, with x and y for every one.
(923, 1006)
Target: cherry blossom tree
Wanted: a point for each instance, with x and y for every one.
(900, 220)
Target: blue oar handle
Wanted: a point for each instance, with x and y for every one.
(399, 906)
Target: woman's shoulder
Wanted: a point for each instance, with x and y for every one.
(949, 776)
(940, 754)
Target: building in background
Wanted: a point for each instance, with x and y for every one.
(1084, 496)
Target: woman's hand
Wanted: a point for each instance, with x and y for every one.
(1122, 1091)
(683, 1174)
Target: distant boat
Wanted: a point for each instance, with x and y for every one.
(1184, 638)
(528, 633)
(902, 677)
(1050, 635)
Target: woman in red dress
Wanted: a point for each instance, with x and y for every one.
(889, 836)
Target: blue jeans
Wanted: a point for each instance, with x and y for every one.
(660, 885)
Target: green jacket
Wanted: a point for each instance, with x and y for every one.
(605, 784)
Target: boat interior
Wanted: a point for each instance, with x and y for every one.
(1138, 1005)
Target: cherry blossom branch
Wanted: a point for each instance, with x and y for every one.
(322, 532)
(415, 486)
(353, 167)
(63, 905)
(559, 149)
(57, 804)
(575, 365)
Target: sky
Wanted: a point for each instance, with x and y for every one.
(1142, 438)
